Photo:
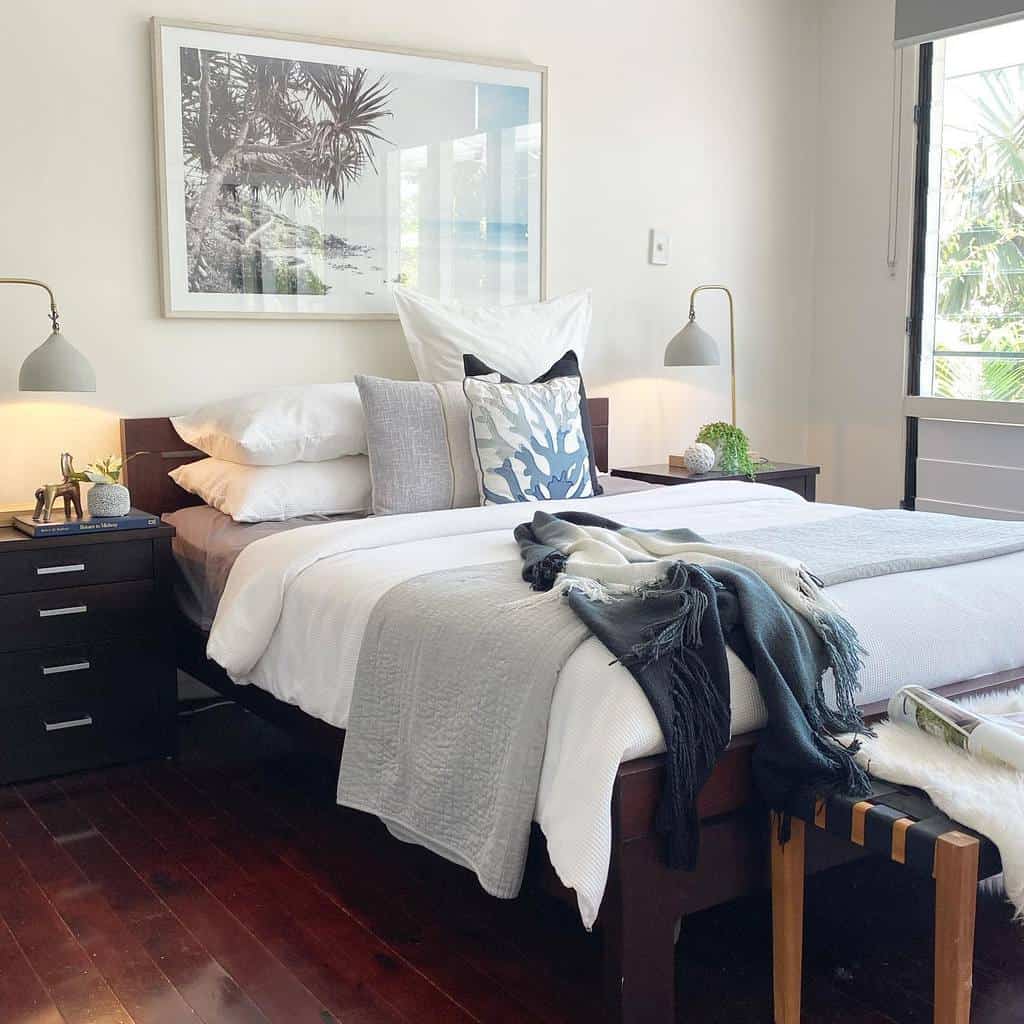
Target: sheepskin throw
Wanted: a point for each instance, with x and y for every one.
(979, 794)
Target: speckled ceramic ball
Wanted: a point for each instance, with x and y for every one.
(108, 500)
(699, 458)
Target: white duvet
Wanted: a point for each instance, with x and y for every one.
(292, 617)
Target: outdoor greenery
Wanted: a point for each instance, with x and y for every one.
(732, 448)
(981, 247)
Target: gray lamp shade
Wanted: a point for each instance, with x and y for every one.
(692, 346)
(56, 366)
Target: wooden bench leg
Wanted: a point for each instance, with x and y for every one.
(787, 921)
(956, 896)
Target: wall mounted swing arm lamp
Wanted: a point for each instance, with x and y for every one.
(56, 365)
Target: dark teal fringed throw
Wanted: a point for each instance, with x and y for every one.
(672, 635)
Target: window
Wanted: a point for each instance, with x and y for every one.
(970, 259)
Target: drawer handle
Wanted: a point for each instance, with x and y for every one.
(52, 570)
(69, 723)
(73, 609)
(74, 666)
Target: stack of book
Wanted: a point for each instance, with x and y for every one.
(59, 526)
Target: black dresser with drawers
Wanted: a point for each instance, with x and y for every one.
(87, 667)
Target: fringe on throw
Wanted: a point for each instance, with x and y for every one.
(844, 655)
(842, 776)
(845, 658)
(684, 625)
(593, 590)
(699, 714)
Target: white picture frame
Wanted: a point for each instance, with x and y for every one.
(302, 177)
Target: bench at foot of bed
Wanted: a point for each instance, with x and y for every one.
(902, 824)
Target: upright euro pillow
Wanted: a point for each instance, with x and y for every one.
(519, 341)
(306, 423)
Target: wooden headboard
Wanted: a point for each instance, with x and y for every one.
(163, 450)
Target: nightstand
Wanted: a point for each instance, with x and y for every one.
(87, 667)
(791, 476)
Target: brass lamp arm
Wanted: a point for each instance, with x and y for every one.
(54, 315)
(732, 334)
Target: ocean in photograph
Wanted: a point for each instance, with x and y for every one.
(483, 262)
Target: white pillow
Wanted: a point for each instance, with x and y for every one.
(257, 494)
(519, 341)
(311, 423)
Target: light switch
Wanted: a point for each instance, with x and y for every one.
(659, 246)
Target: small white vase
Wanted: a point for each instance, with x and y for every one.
(108, 500)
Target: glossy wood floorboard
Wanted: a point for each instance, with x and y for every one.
(226, 887)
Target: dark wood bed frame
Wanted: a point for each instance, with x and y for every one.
(644, 900)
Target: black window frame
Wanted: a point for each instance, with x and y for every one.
(915, 320)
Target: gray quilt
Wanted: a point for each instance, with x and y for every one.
(449, 715)
(882, 542)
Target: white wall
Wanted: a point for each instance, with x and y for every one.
(858, 377)
(688, 116)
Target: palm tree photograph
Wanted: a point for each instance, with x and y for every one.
(257, 131)
(307, 177)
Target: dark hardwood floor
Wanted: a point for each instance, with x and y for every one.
(225, 887)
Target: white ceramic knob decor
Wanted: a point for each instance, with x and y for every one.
(699, 458)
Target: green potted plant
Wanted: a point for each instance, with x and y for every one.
(731, 446)
(107, 496)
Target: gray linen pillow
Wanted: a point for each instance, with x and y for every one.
(421, 451)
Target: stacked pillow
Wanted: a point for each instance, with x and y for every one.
(499, 414)
(279, 454)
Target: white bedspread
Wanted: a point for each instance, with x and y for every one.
(292, 617)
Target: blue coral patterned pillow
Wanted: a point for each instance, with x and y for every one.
(529, 440)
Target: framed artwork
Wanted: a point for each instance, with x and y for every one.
(303, 177)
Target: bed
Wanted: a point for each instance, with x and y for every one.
(598, 847)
